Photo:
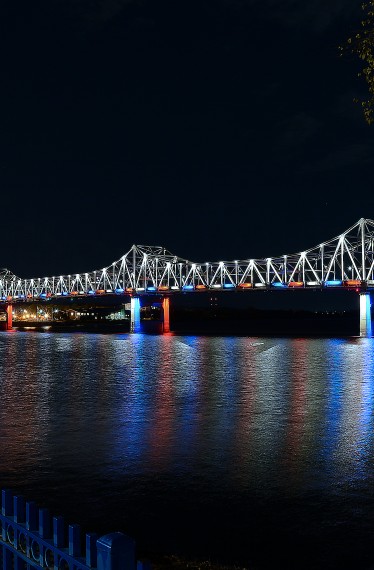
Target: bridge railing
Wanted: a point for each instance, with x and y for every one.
(31, 540)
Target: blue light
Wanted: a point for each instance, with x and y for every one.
(90, 292)
(119, 291)
(187, 287)
(64, 293)
(3, 298)
(21, 297)
(333, 283)
(228, 285)
(135, 314)
(278, 284)
(42, 295)
(151, 288)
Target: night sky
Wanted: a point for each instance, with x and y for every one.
(220, 129)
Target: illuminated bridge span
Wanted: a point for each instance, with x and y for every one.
(346, 261)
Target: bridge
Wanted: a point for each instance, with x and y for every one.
(343, 262)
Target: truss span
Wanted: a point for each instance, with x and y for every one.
(344, 261)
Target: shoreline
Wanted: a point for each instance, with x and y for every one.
(258, 326)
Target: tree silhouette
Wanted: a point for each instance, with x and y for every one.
(361, 44)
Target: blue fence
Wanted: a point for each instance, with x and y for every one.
(30, 539)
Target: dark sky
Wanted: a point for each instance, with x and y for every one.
(221, 129)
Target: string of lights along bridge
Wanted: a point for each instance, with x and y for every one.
(345, 261)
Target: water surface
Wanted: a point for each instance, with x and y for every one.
(228, 448)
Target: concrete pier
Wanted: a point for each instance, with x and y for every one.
(135, 315)
(365, 315)
(9, 318)
(166, 315)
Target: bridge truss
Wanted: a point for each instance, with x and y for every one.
(344, 261)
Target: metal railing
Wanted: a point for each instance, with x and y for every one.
(30, 539)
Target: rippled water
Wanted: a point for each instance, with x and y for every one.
(229, 448)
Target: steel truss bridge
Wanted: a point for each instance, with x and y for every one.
(346, 261)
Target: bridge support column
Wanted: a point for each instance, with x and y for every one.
(165, 315)
(365, 315)
(135, 315)
(9, 317)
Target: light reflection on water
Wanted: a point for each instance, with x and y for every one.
(194, 444)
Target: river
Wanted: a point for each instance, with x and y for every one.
(234, 449)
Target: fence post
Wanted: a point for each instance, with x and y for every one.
(7, 503)
(116, 551)
(44, 523)
(74, 540)
(58, 531)
(31, 516)
(91, 550)
(19, 509)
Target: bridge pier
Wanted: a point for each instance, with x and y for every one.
(365, 315)
(9, 318)
(165, 315)
(135, 315)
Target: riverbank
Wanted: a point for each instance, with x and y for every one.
(255, 323)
